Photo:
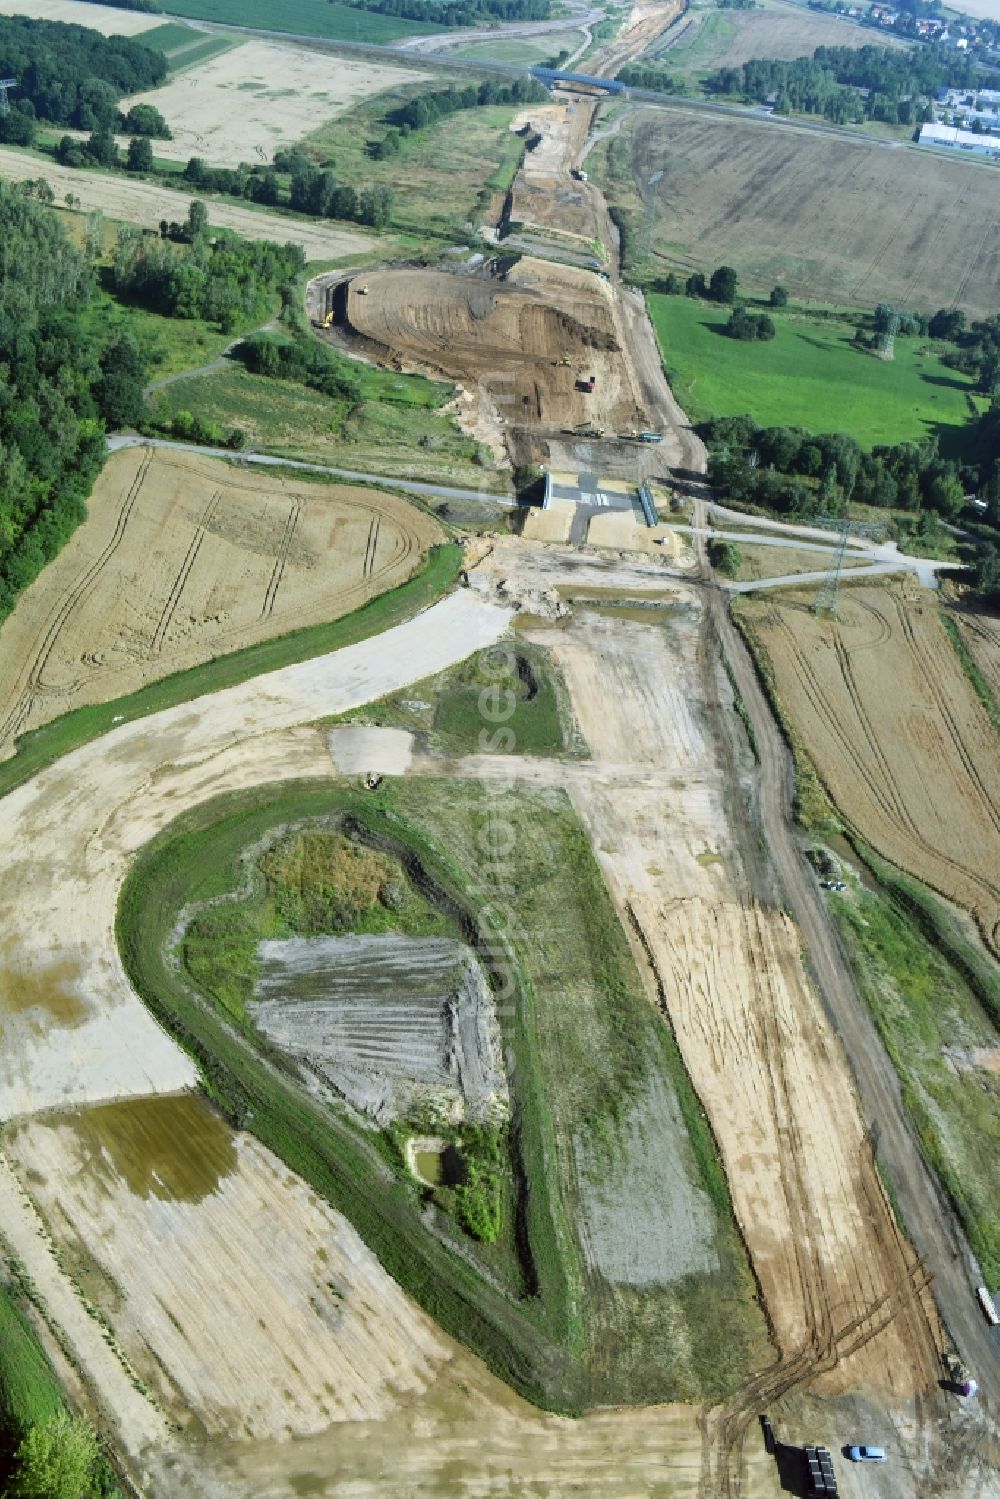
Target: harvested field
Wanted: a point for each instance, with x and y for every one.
(505, 334)
(897, 734)
(151, 1198)
(146, 203)
(981, 633)
(709, 38)
(391, 1022)
(183, 558)
(107, 19)
(259, 97)
(833, 219)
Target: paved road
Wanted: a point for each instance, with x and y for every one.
(268, 460)
(931, 1224)
(871, 560)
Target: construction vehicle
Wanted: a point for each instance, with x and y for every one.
(586, 383)
(328, 319)
(822, 1479)
(372, 780)
(362, 291)
(988, 1305)
(586, 431)
(959, 1378)
(578, 174)
(650, 436)
(565, 360)
(630, 436)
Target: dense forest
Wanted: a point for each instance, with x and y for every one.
(60, 383)
(70, 75)
(829, 82)
(460, 12)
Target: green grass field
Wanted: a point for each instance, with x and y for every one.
(526, 50)
(441, 176)
(808, 376)
(319, 18)
(183, 47)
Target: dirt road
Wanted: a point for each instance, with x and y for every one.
(930, 1221)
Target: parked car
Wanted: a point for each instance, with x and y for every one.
(861, 1454)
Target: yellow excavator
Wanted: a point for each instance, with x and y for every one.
(565, 360)
(328, 319)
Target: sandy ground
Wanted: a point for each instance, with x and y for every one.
(146, 203)
(897, 734)
(249, 102)
(104, 18)
(182, 558)
(647, 20)
(158, 1195)
(73, 1030)
(545, 196)
(840, 1288)
(356, 749)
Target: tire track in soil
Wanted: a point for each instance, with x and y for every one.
(72, 598)
(883, 795)
(281, 561)
(177, 587)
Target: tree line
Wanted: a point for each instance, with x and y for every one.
(63, 382)
(830, 82)
(459, 12)
(796, 472)
(425, 109)
(70, 75)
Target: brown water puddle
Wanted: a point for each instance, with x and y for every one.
(177, 1149)
(53, 991)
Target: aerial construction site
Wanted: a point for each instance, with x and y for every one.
(493, 999)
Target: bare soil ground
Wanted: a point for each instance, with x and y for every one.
(647, 20)
(146, 203)
(545, 198)
(74, 1031)
(833, 219)
(897, 735)
(150, 1199)
(842, 1290)
(981, 633)
(252, 100)
(505, 334)
(393, 1023)
(107, 19)
(182, 558)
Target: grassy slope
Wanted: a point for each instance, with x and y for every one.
(29, 1390)
(385, 433)
(42, 746)
(930, 1021)
(438, 175)
(323, 18)
(448, 708)
(582, 1036)
(809, 375)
